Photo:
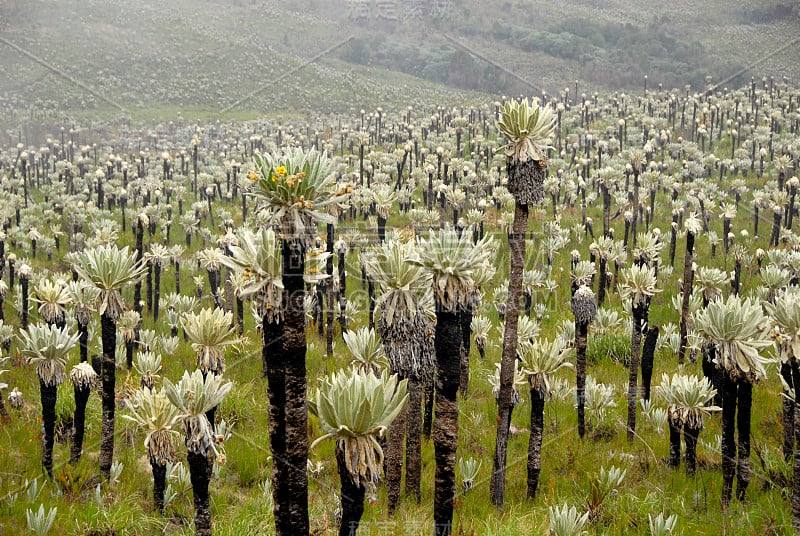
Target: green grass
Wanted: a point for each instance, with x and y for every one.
(569, 464)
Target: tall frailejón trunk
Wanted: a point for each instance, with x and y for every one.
(729, 394)
(159, 483)
(78, 422)
(690, 435)
(505, 402)
(674, 441)
(413, 438)
(137, 287)
(83, 340)
(200, 473)
(535, 441)
(156, 289)
(291, 506)
(352, 497)
(581, 335)
(639, 312)
(648, 357)
(108, 375)
(445, 424)
(788, 414)
(466, 336)
(48, 397)
(796, 477)
(688, 276)
(274, 370)
(394, 460)
(744, 402)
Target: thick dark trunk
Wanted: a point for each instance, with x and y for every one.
(48, 397)
(291, 496)
(240, 314)
(728, 440)
(427, 420)
(148, 284)
(465, 316)
(413, 443)
(743, 470)
(601, 286)
(200, 473)
(674, 442)
(690, 436)
(24, 281)
(137, 287)
(275, 371)
(109, 376)
(796, 477)
(788, 414)
(130, 346)
(156, 290)
(581, 335)
(83, 340)
(633, 376)
(535, 441)
(445, 424)
(497, 487)
(394, 460)
(688, 276)
(648, 355)
(352, 497)
(78, 423)
(159, 483)
(329, 308)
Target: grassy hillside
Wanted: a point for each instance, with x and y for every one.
(150, 59)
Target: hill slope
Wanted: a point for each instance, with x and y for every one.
(255, 57)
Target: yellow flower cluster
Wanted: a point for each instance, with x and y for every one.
(252, 175)
(290, 181)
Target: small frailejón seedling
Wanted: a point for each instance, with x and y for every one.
(194, 395)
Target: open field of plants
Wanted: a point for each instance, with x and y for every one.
(576, 315)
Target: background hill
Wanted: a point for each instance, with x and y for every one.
(149, 58)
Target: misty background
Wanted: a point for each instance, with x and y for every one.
(228, 58)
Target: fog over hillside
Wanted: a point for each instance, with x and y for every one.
(332, 55)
